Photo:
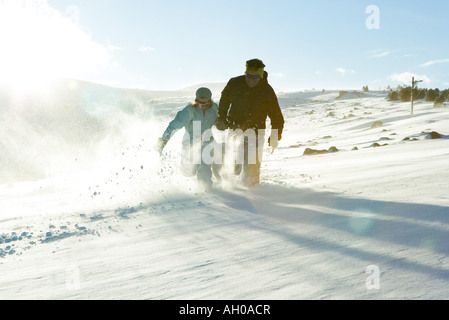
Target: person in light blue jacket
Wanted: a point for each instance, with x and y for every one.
(197, 157)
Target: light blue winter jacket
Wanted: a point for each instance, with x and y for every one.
(185, 119)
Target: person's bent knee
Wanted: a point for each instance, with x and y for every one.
(189, 170)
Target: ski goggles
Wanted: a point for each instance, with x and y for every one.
(203, 105)
(252, 77)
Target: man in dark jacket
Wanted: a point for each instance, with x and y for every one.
(245, 104)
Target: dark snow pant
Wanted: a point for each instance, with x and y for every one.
(248, 157)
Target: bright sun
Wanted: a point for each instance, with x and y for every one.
(29, 83)
(40, 44)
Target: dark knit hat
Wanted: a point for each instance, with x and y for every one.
(204, 93)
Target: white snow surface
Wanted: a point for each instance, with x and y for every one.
(88, 210)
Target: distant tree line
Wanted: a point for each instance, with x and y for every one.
(404, 94)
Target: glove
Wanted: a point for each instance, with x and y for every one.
(221, 124)
(273, 140)
(160, 145)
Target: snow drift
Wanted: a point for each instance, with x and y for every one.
(90, 211)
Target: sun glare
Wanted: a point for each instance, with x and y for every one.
(40, 44)
(29, 83)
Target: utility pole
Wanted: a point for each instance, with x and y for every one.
(413, 87)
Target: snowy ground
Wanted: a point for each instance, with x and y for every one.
(371, 223)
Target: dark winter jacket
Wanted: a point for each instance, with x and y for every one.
(247, 108)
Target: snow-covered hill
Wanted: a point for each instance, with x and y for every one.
(353, 204)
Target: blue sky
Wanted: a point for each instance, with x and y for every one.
(170, 44)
